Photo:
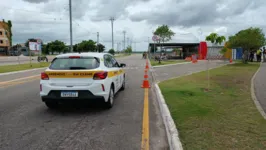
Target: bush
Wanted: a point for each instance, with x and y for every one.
(111, 51)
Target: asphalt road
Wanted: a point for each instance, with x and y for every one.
(260, 86)
(27, 124)
(12, 60)
(168, 72)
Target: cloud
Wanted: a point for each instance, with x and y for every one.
(113, 8)
(49, 19)
(190, 13)
(36, 1)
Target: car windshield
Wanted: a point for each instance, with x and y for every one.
(74, 63)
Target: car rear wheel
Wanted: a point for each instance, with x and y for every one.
(52, 105)
(110, 102)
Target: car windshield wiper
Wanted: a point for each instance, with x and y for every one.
(74, 68)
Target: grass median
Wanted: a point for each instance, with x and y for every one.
(166, 62)
(223, 118)
(20, 67)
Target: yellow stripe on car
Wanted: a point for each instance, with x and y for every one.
(79, 74)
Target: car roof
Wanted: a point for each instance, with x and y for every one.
(87, 54)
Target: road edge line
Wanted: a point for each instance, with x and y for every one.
(18, 79)
(22, 71)
(253, 95)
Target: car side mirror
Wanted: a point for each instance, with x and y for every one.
(122, 65)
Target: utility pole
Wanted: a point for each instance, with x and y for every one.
(124, 32)
(70, 21)
(117, 46)
(128, 41)
(112, 24)
(98, 50)
(135, 46)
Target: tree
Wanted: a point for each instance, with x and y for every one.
(248, 39)
(87, 46)
(165, 33)
(128, 50)
(9, 23)
(75, 48)
(214, 38)
(56, 46)
(100, 47)
(111, 51)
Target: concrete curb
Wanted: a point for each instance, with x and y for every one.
(253, 95)
(171, 64)
(171, 130)
(14, 72)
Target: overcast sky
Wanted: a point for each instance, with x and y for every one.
(49, 19)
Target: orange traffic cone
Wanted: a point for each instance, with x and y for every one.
(146, 70)
(147, 67)
(146, 76)
(145, 84)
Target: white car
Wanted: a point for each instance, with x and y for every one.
(82, 76)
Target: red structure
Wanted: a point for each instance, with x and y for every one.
(202, 50)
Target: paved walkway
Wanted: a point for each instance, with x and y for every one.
(260, 86)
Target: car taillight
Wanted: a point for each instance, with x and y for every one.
(44, 76)
(100, 75)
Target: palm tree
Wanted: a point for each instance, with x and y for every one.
(214, 38)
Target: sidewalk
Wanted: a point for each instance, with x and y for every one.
(260, 86)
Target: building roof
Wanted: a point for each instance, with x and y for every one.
(175, 44)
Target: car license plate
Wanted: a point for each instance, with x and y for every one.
(69, 94)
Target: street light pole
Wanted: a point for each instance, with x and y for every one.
(124, 39)
(112, 24)
(98, 42)
(70, 21)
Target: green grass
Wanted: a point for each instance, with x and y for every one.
(224, 117)
(167, 62)
(19, 67)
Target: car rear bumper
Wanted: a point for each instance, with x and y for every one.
(83, 95)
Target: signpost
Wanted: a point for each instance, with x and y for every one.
(35, 46)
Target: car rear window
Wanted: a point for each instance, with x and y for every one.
(75, 63)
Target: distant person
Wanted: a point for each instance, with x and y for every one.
(251, 56)
(258, 53)
(264, 54)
